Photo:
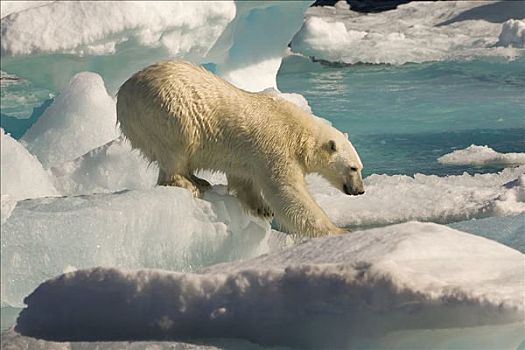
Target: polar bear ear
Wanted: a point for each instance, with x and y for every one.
(331, 147)
(346, 134)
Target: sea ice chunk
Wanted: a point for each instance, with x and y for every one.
(82, 117)
(338, 291)
(164, 227)
(481, 155)
(268, 24)
(22, 174)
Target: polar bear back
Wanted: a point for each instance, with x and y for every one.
(175, 106)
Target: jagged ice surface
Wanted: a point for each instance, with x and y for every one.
(103, 34)
(398, 198)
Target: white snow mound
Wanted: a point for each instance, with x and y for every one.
(481, 155)
(332, 292)
(82, 117)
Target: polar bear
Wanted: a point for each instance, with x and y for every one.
(187, 119)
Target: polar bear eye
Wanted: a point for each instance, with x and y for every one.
(353, 168)
(331, 146)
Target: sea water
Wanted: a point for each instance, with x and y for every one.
(402, 118)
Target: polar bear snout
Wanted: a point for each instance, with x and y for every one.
(353, 191)
(353, 185)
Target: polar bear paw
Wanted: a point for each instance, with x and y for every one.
(201, 184)
(263, 211)
(197, 188)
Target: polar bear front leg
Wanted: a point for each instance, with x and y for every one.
(295, 208)
(249, 196)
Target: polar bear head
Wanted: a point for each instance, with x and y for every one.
(338, 161)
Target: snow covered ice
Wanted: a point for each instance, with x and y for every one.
(101, 35)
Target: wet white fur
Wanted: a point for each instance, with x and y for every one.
(187, 119)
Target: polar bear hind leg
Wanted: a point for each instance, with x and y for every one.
(249, 196)
(192, 183)
(177, 174)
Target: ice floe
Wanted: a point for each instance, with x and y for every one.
(481, 155)
(243, 41)
(340, 291)
(414, 32)
(250, 50)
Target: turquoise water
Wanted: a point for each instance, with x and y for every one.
(402, 118)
